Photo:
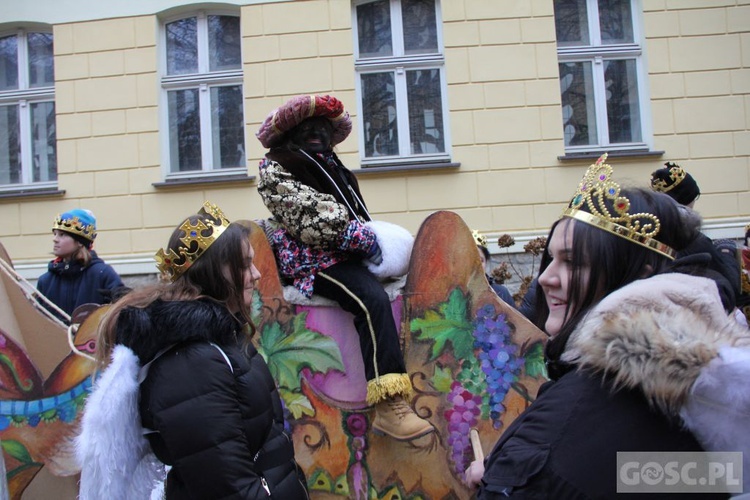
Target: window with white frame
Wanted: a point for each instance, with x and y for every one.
(202, 88)
(28, 155)
(602, 75)
(400, 82)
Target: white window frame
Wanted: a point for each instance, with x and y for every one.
(24, 96)
(204, 81)
(596, 54)
(399, 64)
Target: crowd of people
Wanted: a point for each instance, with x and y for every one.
(642, 310)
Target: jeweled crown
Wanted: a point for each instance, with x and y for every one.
(74, 225)
(676, 173)
(594, 190)
(196, 239)
(479, 238)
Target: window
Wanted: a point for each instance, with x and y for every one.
(203, 95)
(400, 81)
(28, 155)
(601, 75)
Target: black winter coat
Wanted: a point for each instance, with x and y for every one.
(69, 284)
(219, 427)
(565, 445)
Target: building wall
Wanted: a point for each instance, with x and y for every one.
(505, 121)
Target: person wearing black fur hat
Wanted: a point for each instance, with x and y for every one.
(677, 183)
(719, 258)
(77, 275)
(180, 383)
(326, 243)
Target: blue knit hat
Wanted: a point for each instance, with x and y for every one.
(79, 223)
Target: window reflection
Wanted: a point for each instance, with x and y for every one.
(182, 46)
(379, 114)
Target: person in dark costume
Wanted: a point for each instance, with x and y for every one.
(326, 243)
(181, 385)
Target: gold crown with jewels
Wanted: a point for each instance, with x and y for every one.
(595, 188)
(676, 173)
(196, 239)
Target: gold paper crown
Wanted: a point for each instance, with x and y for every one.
(479, 238)
(75, 225)
(676, 173)
(173, 264)
(593, 190)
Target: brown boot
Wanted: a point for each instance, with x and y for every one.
(394, 417)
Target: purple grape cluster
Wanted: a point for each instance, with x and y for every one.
(497, 358)
(462, 415)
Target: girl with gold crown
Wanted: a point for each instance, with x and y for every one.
(641, 358)
(181, 385)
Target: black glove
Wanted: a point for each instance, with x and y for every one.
(375, 255)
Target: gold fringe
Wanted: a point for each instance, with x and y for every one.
(388, 386)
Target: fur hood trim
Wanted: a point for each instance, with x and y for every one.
(146, 331)
(116, 459)
(656, 334)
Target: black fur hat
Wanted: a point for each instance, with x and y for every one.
(675, 182)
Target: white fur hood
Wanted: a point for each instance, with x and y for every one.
(656, 334)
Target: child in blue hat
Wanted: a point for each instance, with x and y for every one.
(77, 275)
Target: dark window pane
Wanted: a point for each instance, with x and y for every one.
(9, 62)
(41, 68)
(10, 146)
(43, 135)
(224, 43)
(374, 29)
(184, 130)
(228, 130)
(571, 24)
(420, 26)
(182, 46)
(579, 113)
(425, 112)
(616, 21)
(623, 111)
(379, 115)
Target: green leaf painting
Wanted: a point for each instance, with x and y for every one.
(534, 357)
(449, 324)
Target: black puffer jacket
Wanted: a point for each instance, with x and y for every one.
(220, 428)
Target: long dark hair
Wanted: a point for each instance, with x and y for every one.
(204, 279)
(613, 261)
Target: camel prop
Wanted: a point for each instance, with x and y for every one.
(475, 362)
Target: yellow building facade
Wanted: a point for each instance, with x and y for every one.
(501, 144)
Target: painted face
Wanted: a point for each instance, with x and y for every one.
(556, 278)
(313, 135)
(63, 245)
(250, 274)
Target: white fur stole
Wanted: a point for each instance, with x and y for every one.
(395, 244)
(116, 460)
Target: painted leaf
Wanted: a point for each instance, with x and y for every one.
(448, 324)
(442, 379)
(535, 366)
(288, 355)
(297, 403)
(16, 450)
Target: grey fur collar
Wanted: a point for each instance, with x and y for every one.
(656, 334)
